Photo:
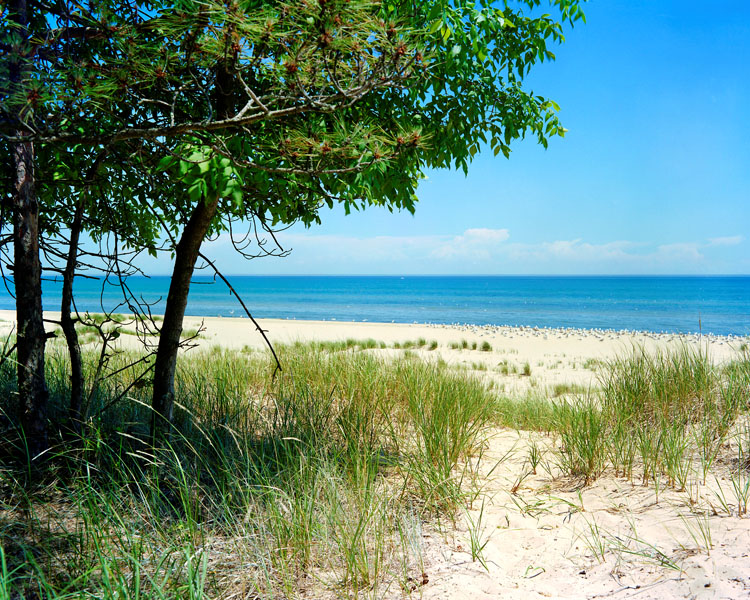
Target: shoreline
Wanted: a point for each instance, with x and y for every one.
(8, 316)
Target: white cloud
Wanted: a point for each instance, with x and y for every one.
(576, 251)
(680, 251)
(732, 240)
(476, 250)
(486, 235)
(477, 243)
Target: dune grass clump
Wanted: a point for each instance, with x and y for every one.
(664, 414)
(341, 345)
(528, 413)
(567, 389)
(466, 345)
(417, 344)
(582, 429)
(652, 388)
(506, 368)
(320, 479)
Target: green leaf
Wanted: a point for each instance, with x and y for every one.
(195, 191)
(165, 163)
(237, 196)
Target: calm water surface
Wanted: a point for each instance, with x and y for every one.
(719, 305)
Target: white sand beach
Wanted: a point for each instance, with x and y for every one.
(554, 356)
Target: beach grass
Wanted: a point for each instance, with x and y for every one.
(659, 417)
(567, 389)
(666, 413)
(319, 480)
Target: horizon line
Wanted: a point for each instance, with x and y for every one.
(461, 275)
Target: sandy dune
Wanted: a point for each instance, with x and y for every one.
(543, 536)
(554, 538)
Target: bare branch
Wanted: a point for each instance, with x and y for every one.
(247, 312)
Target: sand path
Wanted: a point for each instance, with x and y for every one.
(554, 538)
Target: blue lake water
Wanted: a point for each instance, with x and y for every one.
(718, 305)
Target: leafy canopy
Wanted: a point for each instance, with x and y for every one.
(279, 107)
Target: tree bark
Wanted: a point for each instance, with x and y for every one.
(27, 270)
(27, 277)
(68, 324)
(186, 255)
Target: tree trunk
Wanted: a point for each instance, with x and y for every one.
(186, 255)
(68, 325)
(27, 276)
(27, 271)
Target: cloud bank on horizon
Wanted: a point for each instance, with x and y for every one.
(477, 251)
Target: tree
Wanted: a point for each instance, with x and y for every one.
(274, 109)
(94, 194)
(32, 388)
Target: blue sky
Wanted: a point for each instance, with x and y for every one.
(653, 176)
